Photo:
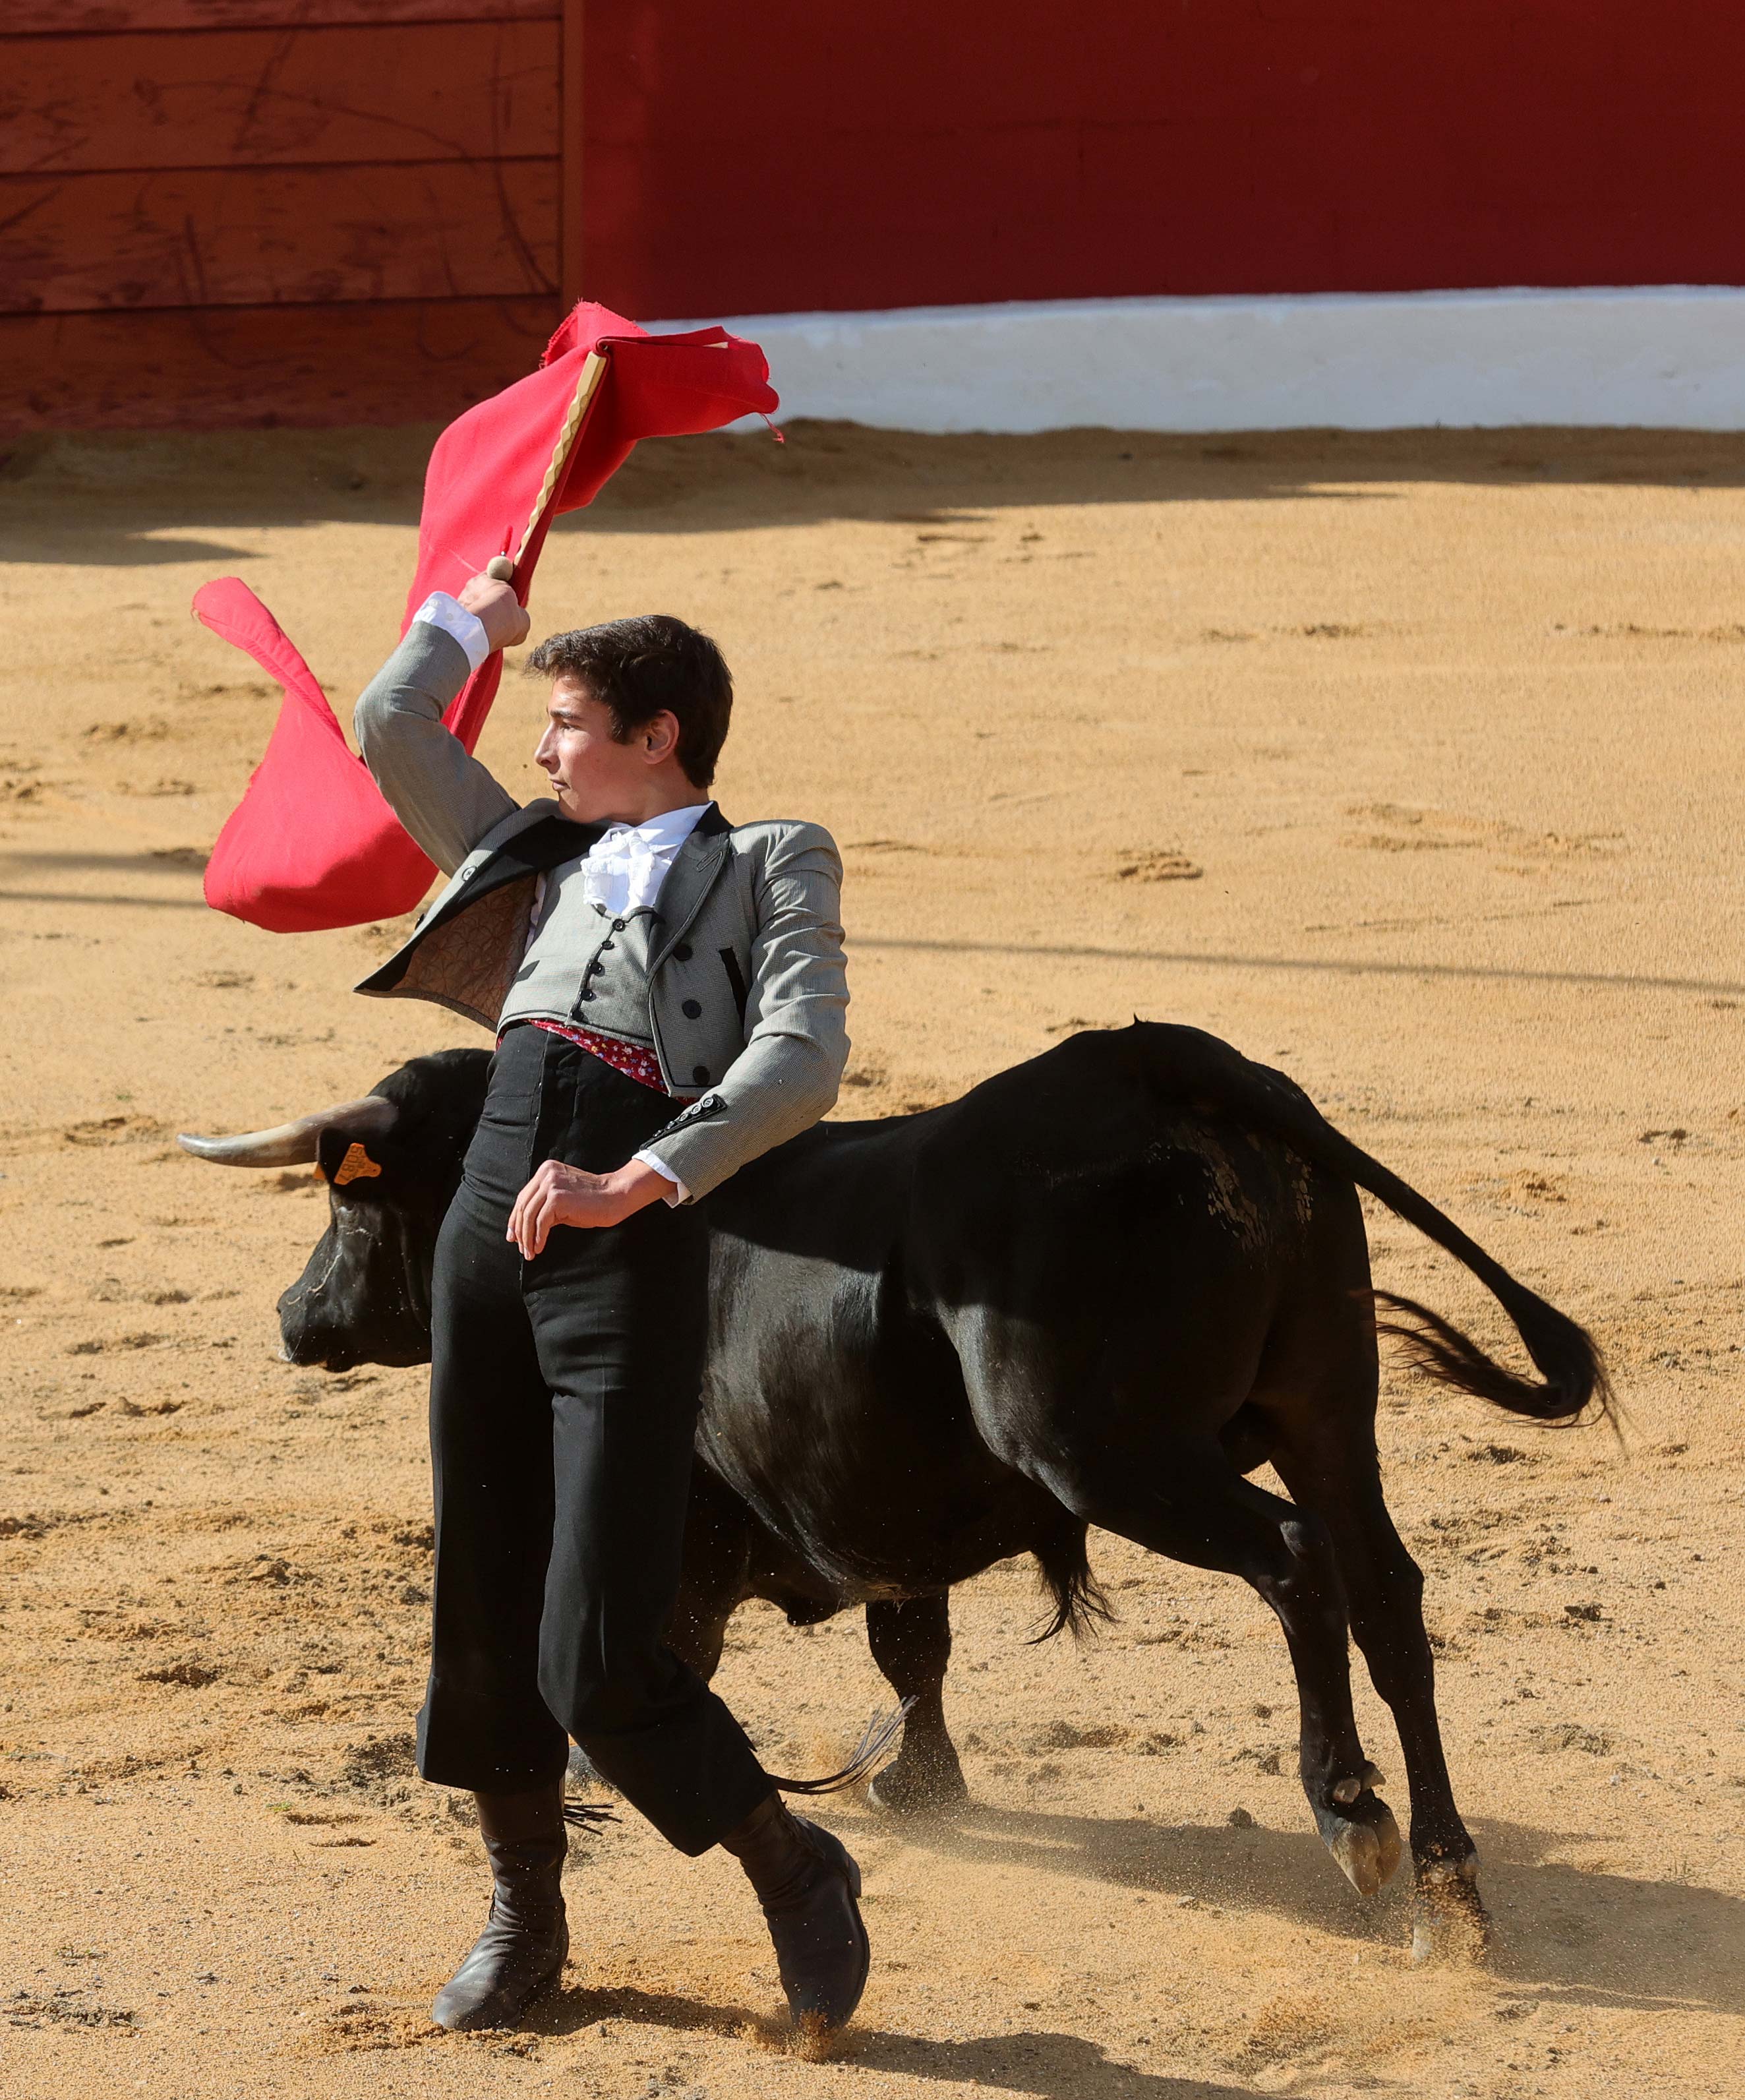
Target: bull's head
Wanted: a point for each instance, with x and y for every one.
(391, 1162)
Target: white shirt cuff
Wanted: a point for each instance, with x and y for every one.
(440, 609)
(680, 1194)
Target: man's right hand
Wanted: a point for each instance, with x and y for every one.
(497, 609)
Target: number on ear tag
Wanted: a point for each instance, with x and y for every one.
(356, 1166)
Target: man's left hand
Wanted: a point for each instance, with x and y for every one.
(559, 1195)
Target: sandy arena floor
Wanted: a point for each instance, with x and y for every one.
(1410, 763)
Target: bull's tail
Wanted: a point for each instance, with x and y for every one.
(1572, 1376)
(877, 1740)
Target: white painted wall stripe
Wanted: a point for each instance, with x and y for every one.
(1668, 356)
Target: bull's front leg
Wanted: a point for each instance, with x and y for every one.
(910, 1639)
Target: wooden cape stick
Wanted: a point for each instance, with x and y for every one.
(500, 567)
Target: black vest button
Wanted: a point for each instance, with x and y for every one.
(586, 994)
(700, 1074)
(691, 1009)
(681, 953)
(617, 925)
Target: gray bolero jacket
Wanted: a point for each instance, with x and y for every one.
(762, 1060)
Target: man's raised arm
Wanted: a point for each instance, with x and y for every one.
(440, 792)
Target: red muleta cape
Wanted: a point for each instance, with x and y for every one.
(312, 845)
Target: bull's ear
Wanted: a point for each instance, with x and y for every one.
(342, 1159)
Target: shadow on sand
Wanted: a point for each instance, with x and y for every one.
(1565, 1935)
(1035, 2061)
(97, 499)
(182, 861)
(1566, 1932)
(1315, 965)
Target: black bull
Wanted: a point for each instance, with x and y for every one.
(1099, 1289)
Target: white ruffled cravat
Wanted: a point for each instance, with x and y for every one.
(624, 868)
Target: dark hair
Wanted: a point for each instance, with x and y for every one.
(639, 667)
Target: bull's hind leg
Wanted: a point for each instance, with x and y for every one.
(910, 1639)
(1188, 1501)
(1328, 1462)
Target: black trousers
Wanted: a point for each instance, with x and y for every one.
(563, 1398)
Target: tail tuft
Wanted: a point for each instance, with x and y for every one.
(880, 1733)
(1079, 1601)
(587, 1816)
(1573, 1371)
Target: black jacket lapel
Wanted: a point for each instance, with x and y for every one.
(689, 879)
(537, 850)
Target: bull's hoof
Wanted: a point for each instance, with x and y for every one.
(1364, 1837)
(920, 1783)
(1449, 1920)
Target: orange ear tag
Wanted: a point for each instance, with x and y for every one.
(356, 1166)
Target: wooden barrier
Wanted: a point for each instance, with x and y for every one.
(259, 211)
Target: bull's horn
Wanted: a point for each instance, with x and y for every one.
(295, 1144)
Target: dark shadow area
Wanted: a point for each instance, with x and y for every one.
(174, 860)
(120, 865)
(93, 897)
(952, 485)
(1581, 1936)
(88, 499)
(1188, 958)
(568, 2011)
(1032, 2061)
(61, 544)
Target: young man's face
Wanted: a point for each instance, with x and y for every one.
(595, 776)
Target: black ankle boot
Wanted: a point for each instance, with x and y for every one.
(525, 1940)
(808, 1885)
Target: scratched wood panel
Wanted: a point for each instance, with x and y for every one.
(283, 235)
(85, 17)
(475, 91)
(257, 367)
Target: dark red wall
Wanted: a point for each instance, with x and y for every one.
(259, 211)
(812, 153)
(245, 211)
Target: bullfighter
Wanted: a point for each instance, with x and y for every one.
(668, 995)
